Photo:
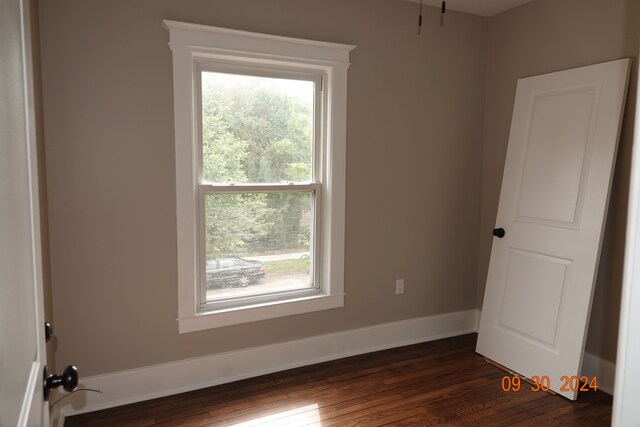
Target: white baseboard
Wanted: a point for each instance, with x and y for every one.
(605, 371)
(121, 388)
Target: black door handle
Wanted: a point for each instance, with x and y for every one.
(499, 232)
(68, 380)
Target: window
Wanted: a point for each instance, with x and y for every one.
(260, 128)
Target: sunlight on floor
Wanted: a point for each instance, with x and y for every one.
(304, 415)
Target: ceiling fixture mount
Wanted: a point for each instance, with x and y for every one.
(420, 18)
(442, 12)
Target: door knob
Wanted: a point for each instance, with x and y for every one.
(68, 380)
(499, 232)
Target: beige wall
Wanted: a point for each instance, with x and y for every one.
(545, 36)
(415, 129)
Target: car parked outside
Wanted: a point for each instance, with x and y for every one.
(233, 272)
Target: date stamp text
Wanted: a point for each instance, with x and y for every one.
(514, 383)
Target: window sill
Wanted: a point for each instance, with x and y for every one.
(235, 316)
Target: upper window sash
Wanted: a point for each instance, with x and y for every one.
(316, 76)
(247, 68)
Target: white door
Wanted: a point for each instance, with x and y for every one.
(22, 346)
(555, 190)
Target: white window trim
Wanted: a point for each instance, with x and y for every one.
(191, 43)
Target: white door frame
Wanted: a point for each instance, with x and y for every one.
(34, 410)
(626, 390)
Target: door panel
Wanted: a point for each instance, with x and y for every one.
(533, 292)
(22, 349)
(560, 142)
(555, 190)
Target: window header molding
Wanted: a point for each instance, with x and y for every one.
(199, 37)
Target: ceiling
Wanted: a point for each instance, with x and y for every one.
(477, 7)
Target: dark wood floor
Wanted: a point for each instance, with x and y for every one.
(439, 382)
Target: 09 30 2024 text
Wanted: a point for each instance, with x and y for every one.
(513, 383)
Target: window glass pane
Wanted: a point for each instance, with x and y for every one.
(256, 129)
(257, 243)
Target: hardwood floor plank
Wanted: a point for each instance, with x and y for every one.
(565, 408)
(502, 417)
(407, 403)
(494, 408)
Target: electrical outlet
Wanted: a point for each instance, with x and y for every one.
(399, 286)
